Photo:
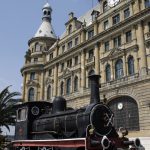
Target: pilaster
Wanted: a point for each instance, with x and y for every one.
(42, 86)
(55, 80)
(142, 49)
(96, 54)
(83, 73)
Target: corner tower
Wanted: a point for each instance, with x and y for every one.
(35, 58)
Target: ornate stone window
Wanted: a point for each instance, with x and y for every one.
(49, 92)
(90, 34)
(117, 41)
(106, 25)
(131, 65)
(32, 76)
(70, 45)
(37, 47)
(116, 19)
(68, 86)
(31, 94)
(119, 69)
(108, 73)
(91, 72)
(76, 60)
(126, 113)
(75, 84)
(106, 44)
(126, 13)
(62, 88)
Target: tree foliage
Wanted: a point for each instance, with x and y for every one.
(8, 101)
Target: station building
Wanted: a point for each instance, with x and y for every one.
(112, 40)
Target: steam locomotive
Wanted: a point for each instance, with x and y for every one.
(42, 125)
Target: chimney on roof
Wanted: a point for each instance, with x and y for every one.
(71, 15)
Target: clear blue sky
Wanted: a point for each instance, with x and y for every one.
(19, 21)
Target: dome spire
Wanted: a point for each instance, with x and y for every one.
(47, 11)
(46, 29)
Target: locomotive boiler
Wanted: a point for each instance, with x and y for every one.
(40, 121)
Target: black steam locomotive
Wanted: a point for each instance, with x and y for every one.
(38, 122)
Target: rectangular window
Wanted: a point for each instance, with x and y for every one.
(117, 41)
(63, 48)
(69, 63)
(76, 60)
(91, 54)
(70, 45)
(35, 60)
(51, 56)
(90, 34)
(22, 114)
(128, 36)
(116, 19)
(76, 41)
(126, 13)
(106, 46)
(32, 76)
(147, 3)
(106, 25)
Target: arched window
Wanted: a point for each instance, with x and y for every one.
(130, 65)
(90, 73)
(126, 113)
(62, 88)
(105, 6)
(108, 73)
(68, 86)
(76, 84)
(119, 69)
(70, 29)
(37, 47)
(49, 92)
(31, 94)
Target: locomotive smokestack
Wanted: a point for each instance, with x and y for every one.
(94, 81)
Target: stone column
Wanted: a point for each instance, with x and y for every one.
(142, 49)
(96, 60)
(83, 73)
(112, 70)
(55, 80)
(124, 66)
(102, 73)
(133, 33)
(24, 87)
(146, 27)
(42, 86)
(83, 35)
(95, 28)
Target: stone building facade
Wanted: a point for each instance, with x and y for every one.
(110, 40)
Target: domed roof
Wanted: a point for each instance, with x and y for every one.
(45, 30)
(47, 5)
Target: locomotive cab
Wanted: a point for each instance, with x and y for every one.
(26, 113)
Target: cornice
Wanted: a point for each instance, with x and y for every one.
(34, 39)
